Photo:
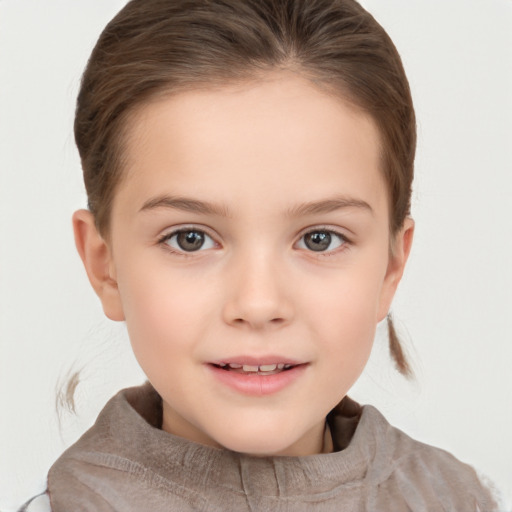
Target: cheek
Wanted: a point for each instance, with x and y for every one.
(344, 312)
(349, 326)
(348, 335)
(165, 313)
(349, 297)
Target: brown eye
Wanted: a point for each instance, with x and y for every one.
(321, 241)
(189, 240)
(317, 241)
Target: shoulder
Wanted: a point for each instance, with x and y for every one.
(105, 469)
(427, 477)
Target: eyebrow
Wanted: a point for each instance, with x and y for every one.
(206, 208)
(185, 204)
(328, 206)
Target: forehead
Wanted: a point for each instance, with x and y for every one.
(276, 139)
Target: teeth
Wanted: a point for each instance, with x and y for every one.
(250, 368)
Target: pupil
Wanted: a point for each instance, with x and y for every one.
(190, 240)
(317, 241)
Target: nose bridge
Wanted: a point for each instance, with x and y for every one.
(257, 295)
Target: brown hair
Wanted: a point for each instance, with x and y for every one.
(155, 47)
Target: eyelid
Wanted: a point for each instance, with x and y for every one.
(326, 229)
(341, 232)
(172, 230)
(175, 230)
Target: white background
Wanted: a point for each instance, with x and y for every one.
(454, 307)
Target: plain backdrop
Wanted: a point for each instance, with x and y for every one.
(454, 306)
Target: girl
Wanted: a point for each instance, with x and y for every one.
(248, 167)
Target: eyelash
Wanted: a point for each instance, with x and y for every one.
(344, 241)
(188, 229)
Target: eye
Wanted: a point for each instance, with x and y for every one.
(188, 240)
(322, 240)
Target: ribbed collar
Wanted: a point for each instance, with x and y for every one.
(129, 427)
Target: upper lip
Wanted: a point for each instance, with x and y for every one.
(257, 361)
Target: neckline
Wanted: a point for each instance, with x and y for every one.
(133, 418)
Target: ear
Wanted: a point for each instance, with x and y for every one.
(97, 259)
(399, 253)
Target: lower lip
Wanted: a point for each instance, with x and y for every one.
(257, 385)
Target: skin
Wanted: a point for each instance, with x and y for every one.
(260, 154)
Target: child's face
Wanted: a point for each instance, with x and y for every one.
(281, 258)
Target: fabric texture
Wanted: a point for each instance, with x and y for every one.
(126, 463)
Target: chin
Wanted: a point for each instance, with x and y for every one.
(261, 449)
(261, 432)
(261, 443)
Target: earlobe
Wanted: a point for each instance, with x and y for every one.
(399, 254)
(97, 259)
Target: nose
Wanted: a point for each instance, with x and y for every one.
(258, 296)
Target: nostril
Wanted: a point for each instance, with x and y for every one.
(256, 314)
(272, 320)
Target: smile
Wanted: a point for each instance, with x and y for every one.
(257, 378)
(262, 369)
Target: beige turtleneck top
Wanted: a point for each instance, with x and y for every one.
(126, 463)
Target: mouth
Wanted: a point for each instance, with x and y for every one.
(257, 376)
(256, 369)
